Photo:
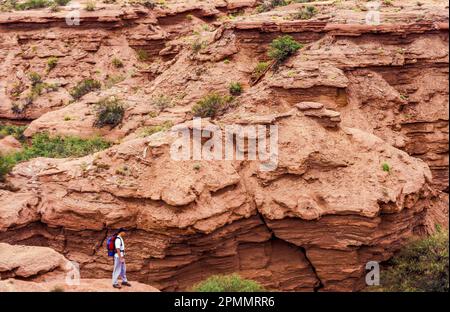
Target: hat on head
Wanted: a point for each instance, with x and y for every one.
(120, 230)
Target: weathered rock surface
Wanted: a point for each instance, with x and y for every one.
(9, 145)
(355, 97)
(276, 227)
(86, 285)
(41, 269)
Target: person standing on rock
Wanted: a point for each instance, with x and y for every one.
(120, 268)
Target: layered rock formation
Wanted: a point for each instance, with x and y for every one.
(41, 269)
(354, 98)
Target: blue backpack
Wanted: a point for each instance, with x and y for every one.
(111, 245)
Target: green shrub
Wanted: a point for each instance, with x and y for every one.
(422, 266)
(90, 5)
(155, 129)
(142, 55)
(52, 62)
(117, 63)
(283, 47)
(35, 78)
(62, 2)
(113, 80)
(42, 145)
(386, 167)
(162, 102)
(211, 105)
(268, 5)
(15, 131)
(235, 88)
(259, 70)
(84, 87)
(110, 112)
(228, 283)
(198, 45)
(32, 4)
(306, 13)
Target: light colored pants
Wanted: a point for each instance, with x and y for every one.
(120, 269)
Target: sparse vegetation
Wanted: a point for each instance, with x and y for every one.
(422, 266)
(52, 62)
(306, 13)
(113, 80)
(235, 88)
(268, 5)
(147, 131)
(142, 55)
(109, 111)
(15, 131)
(198, 45)
(259, 70)
(42, 145)
(197, 167)
(117, 63)
(162, 102)
(35, 78)
(211, 105)
(84, 87)
(386, 167)
(228, 283)
(62, 2)
(34, 4)
(283, 47)
(90, 5)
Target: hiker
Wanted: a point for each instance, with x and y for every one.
(120, 268)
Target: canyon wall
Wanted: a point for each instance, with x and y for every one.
(354, 97)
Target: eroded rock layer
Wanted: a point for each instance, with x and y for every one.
(353, 98)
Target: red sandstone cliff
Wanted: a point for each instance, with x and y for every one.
(379, 94)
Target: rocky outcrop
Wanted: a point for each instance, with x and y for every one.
(9, 145)
(25, 262)
(42, 269)
(277, 227)
(362, 116)
(85, 285)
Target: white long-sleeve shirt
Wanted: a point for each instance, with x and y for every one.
(119, 244)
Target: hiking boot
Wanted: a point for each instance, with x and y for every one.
(126, 284)
(117, 286)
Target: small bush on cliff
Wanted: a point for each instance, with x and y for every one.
(386, 167)
(90, 5)
(110, 112)
(84, 87)
(42, 145)
(117, 63)
(32, 4)
(235, 88)
(283, 47)
(62, 2)
(15, 131)
(228, 283)
(35, 78)
(421, 266)
(259, 70)
(142, 55)
(211, 105)
(268, 5)
(162, 102)
(306, 13)
(52, 62)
